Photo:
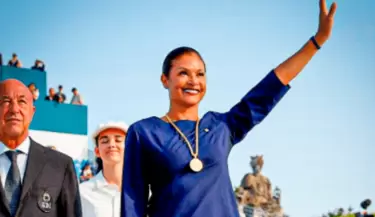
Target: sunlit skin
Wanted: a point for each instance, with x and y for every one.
(186, 84)
(16, 112)
(110, 149)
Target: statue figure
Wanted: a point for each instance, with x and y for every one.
(256, 191)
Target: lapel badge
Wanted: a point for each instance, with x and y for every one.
(45, 202)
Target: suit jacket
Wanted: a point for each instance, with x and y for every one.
(49, 188)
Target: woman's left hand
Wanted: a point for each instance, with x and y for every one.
(325, 22)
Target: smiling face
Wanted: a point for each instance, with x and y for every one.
(16, 110)
(110, 146)
(186, 80)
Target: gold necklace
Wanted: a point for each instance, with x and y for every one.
(195, 164)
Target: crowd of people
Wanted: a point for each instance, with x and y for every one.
(15, 62)
(60, 96)
(52, 95)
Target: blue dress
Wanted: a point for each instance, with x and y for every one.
(157, 157)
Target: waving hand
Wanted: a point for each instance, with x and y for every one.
(326, 19)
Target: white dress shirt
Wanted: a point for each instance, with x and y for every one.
(5, 162)
(100, 199)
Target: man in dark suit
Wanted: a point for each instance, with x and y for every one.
(36, 181)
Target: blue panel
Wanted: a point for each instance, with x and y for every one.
(60, 118)
(27, 76)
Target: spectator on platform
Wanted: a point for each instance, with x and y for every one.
(36, 94)
(77, 98)
(39, 65)
(101, 195)
(61, 94)
(51, 95)
(15, 62)
(1, 59)
(34, 91)
(60, 99)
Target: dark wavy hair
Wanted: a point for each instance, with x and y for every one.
(98, 160)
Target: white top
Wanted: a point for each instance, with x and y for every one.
(5, 162)
(99, 199)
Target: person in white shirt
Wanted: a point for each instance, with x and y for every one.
(101, 195)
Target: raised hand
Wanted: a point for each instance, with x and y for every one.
(325, 21)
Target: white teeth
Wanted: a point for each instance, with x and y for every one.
(191, 91)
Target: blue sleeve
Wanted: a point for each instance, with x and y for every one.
(134, 194)
(254, 106)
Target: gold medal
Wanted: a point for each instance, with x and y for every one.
(195, 164)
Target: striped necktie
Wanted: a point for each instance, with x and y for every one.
(13, 182)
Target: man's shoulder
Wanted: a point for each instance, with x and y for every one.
(57, 155)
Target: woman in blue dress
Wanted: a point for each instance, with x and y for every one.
(182, 158)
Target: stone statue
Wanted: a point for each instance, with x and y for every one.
(256, 191)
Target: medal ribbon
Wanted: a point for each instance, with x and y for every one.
(195, 155)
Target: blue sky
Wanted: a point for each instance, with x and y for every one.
(318, 143)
